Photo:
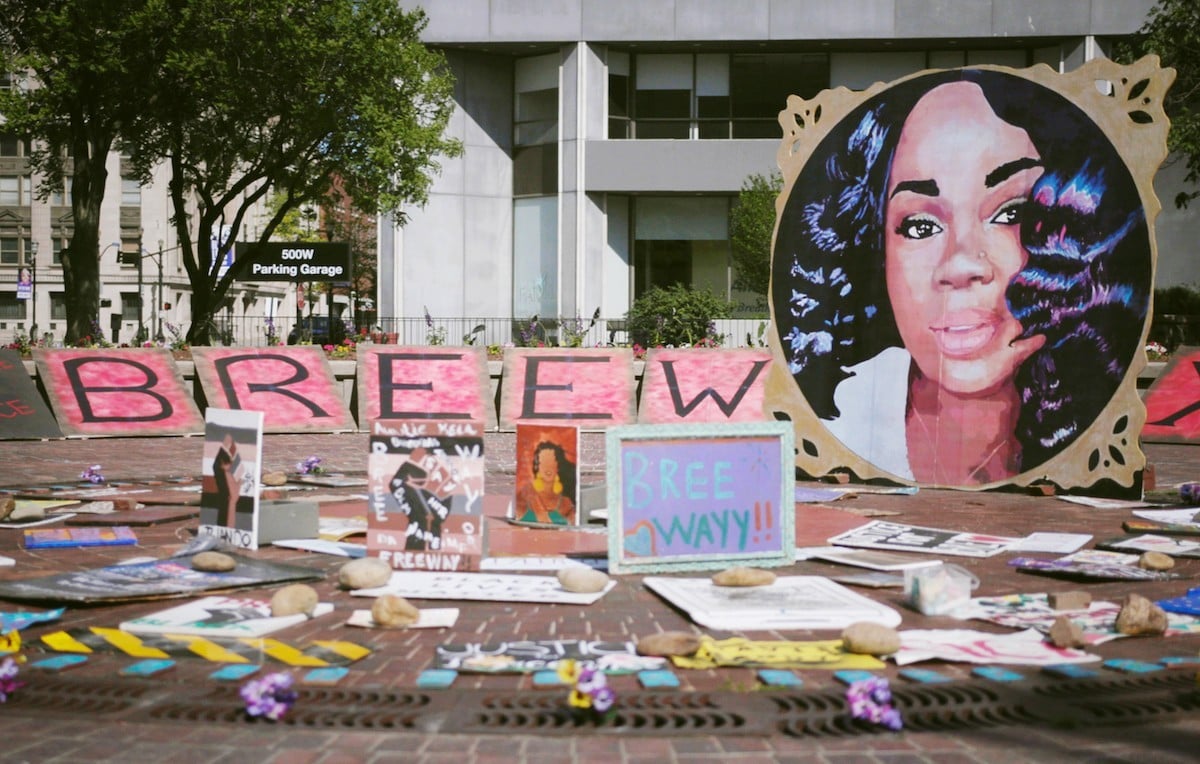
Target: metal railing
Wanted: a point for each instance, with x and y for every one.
(480, 331)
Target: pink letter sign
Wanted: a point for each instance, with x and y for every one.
(703, 386)
(294, 387)
(423, 383)
(592, 388)
(117, 391)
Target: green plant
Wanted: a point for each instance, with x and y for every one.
(751, 226)
(676, 316)
(574, 332)
(435, 334)
(1176, 316)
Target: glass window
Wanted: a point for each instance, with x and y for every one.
(131, 193)
(129, 306)
(58, 306)
(57, 246)
(535, 112)
(535, 256)
(618, 95)
(12, 146)
(11, 307)
(681, 240)
(761, 83)
(62, 198)
(10, 190)
(10, 250)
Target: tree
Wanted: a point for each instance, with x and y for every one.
(286, 96)
(751, 225)
(81, 62)
(1172, 31)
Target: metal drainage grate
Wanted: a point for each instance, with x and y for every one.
(946, 707)
(653, 713)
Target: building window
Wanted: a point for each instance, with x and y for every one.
(12, 146)
(62, 198)
(619, 124)
(535, 256)
(536, 111)
(129, 306)
(761, 83)
(56, 249)
(15, 190)
(662, 101)
(15, 251)
(681, 240)
(58, 306)
(131, 193)
(11, 307)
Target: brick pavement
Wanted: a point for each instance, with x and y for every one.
(629, 611)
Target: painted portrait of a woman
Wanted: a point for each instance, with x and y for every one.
(961, 276)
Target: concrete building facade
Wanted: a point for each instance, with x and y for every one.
(606, 139)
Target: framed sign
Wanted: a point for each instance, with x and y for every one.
(231, 469)
(700, 496)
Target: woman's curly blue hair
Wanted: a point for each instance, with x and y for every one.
(1085, 286)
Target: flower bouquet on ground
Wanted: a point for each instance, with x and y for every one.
(590, 698)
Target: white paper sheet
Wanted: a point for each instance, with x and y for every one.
(496, 587)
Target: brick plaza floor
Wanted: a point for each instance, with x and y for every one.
(629, 611)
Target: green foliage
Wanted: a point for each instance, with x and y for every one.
(1176, 317)
(751, 225)
(314, 100)
(1172, 31)
(676, 316)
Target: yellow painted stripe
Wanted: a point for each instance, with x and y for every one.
(348, 650)
(128, 643)
(62, 642)
(207, 649)
(284, 653)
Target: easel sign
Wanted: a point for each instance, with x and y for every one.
(231, 468)
(700, 496)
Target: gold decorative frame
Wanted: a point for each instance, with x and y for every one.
(1126, 103)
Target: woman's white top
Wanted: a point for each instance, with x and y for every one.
(873, 402)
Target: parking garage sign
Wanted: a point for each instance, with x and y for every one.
(297, 261)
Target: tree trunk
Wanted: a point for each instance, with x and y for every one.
(81, 260)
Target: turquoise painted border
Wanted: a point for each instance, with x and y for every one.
(615, 437)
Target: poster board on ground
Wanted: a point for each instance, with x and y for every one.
(1173, 401)
(547, 480)
(436, 383)
(425, 483)
(231, 469)
(294, 386)
(700, 496)
(703, 385)
(592, 388)
(172, 577)
(23, 413)
(117, 392)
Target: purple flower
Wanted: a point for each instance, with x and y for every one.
(8, 678)
(270, 697)
(310, 466)
(871, 700)
(603, 699)
(92, 474)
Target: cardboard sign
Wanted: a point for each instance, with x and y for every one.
(157, 579)
(547, 475)
(525, 656)
(443, 383)
(693, 497)
(294, 387)
(701, 385)
(231, 468)
(1173, 401)
(117, 391)
(880, 534)
(592, 388)
(425, 481)
(23, 413)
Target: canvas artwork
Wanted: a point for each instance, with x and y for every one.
(547, 475)
(425, 487)
(962, 272)
(231, 468)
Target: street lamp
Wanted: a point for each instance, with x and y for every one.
(33, 249)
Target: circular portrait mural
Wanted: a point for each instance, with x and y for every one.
(961, 277)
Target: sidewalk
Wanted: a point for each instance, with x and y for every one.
(376, 714)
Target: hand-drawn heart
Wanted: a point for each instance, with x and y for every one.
(640, 543)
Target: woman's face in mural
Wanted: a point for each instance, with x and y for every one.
(958, 184)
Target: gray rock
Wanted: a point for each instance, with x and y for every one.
(668, 643)
(392, 611)
(1156, 561)
(213, 562)
(274, 478)
(364, 573)
(870, 638)
(583, 580)
(744, 577)
(7, 505)
(294, 599)
(1140, 616)
(1066, 633)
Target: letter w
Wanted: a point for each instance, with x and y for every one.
(726, 408)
